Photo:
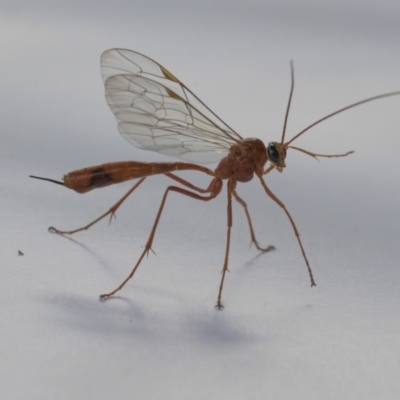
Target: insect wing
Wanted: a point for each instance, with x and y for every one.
(155, 111)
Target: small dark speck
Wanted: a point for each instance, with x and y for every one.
(20, 253)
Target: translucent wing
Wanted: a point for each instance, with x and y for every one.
(155, 111)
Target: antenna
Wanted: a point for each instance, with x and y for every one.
(289, 101)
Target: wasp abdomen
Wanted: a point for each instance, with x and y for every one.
(86, 179)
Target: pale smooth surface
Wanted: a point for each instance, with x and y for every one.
(161, 337)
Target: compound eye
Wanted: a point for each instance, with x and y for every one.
(272, 152)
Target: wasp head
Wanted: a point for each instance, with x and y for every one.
(276, 153)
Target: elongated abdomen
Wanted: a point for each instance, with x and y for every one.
(86, 179)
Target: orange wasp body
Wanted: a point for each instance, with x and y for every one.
(156, 111)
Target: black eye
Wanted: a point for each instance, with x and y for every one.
(272, 152)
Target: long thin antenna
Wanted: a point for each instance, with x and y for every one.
(289, 101)
(47, 179)
(381, 96)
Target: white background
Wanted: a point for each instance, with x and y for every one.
(161, 337)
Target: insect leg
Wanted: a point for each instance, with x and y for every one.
(215, 188)
(188, 184)
(296, 232)
(252, 235)
(110, 212)
(269, 169)
(231, 187)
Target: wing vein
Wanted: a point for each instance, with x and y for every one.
(157, 112)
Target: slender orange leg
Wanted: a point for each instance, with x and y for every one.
(230, 189)
(238, 199)
(296, 232)
(252, 235)
(188, 184)
(111, 211)
(269, 169)
(214, 189)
